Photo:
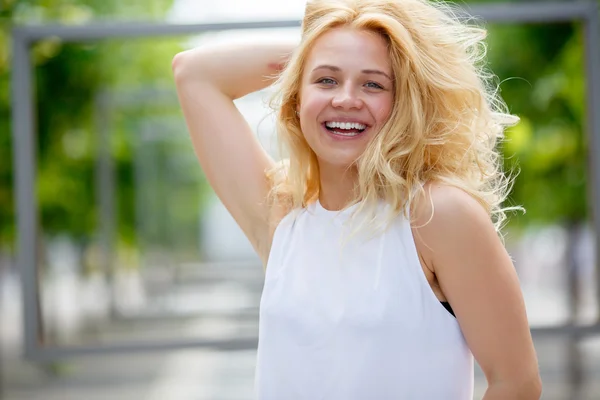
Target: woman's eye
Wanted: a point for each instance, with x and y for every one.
(374, 85)
(326, 81)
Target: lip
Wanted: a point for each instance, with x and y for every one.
(343, 138)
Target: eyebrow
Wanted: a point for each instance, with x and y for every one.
(364, 71)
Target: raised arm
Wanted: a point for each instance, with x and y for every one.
(208, 79)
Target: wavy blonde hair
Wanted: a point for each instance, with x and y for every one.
(447, 116)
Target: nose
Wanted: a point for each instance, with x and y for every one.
(346, 98)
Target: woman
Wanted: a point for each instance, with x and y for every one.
(385, 273)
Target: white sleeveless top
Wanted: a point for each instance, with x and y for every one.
(354, 320)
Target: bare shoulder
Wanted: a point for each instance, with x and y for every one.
(442, 204)
(446, 206)
(444, 214)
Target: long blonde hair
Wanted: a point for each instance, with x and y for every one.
(447, 115)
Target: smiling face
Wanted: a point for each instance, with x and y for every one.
(346, 94)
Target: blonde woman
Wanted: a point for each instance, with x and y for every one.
(385, 273)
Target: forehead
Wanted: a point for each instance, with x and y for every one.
(349, 48)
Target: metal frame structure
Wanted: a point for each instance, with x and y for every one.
(24, 142)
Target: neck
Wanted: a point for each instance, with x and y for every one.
(337, 186)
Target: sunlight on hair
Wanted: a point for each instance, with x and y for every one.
(446, 123)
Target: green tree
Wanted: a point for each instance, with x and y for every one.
(550, 145)
(69, 76)
(540, 69)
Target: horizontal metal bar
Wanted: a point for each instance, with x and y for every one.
(142, 95)
(499, 13)
(238, 315)
(95, 31)
(533, 12)
(51, 353)
(566, 330)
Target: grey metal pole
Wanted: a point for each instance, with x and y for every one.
(592, 51)
(23, 109)
(105, 194)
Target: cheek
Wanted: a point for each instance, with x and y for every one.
(313, 102)
(382, 108)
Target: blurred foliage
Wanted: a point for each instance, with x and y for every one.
(549, 145)
(542, 77)
(69, 79)
(540, 68)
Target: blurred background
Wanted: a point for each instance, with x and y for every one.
(146, 287)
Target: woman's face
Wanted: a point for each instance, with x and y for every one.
(346, 94)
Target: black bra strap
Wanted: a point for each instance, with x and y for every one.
(448, 307)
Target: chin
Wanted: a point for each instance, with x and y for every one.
(338, 161)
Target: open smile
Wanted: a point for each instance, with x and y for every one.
(345, 130)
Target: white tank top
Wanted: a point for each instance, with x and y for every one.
(354, 320)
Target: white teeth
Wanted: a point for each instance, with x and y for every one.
(346, 125)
